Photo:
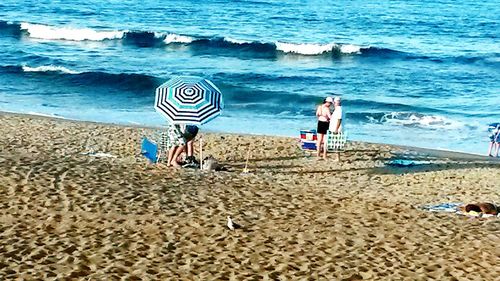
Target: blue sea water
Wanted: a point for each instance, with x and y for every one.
(422, 73)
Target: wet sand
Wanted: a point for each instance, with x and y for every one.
(66, 215)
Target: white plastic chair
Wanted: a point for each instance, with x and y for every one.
(335, 142)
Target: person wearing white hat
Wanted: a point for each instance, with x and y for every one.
(336, 118)
(323, 113)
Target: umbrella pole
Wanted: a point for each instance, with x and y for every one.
(245, 170)
(201, 153)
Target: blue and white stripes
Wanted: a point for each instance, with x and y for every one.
(188, 100)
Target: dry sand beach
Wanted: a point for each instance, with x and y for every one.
(70, 216)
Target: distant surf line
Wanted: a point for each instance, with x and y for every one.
(226, 46)
(159, 39)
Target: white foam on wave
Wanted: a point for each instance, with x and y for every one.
(419, 120)
(304, 49)
(236, 41)
(176, 38)
(159, 35)
(317, 49)
(50, 115)
(47, 68)
(350, 49)
(41, 31)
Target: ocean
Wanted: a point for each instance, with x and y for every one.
(420, 73)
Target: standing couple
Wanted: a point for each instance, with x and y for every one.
(328, 120)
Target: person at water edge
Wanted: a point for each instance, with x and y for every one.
(323, 114)
(336, 119)
(494, 141)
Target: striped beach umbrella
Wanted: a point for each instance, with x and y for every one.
(188, 100)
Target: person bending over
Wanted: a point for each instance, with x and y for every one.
(175, 144)
(190, 133)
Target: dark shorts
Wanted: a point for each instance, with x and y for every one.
(494, 137)
(191, 132)
(323, 127)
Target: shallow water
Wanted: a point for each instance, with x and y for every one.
(423, 74)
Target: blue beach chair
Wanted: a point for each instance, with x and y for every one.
(149, 150)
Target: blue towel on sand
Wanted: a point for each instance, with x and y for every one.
(406, 163)
(443, 207)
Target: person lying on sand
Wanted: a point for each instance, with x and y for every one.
(484, 208)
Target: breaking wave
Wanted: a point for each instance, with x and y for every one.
(41, 31)
(60, 74)
(412, 119)
(154, 39)
(318, 49)
(175, 38)
(49, 68)
(224, 46)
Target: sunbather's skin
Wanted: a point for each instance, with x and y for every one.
(485, 208)
(323, 113)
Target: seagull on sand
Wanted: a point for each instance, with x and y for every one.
(232, 225)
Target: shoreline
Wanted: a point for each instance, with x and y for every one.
(440, 153)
